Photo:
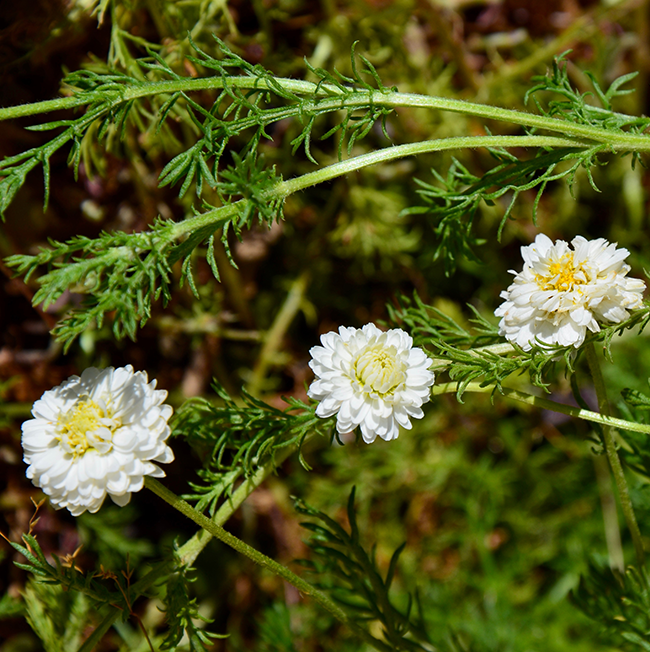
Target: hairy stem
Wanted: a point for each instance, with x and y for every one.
(264, 561)
(612, 455)
(191, 549)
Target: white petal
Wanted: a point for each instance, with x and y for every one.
(114, 458)
(371, 379)
(562, 290)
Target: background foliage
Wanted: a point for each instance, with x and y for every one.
(499, 506)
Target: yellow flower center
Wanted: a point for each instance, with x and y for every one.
(87, 425)
(379, 370)
(562, 275)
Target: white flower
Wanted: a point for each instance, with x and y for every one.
(372, 379)
(97, 434)
(562, 292)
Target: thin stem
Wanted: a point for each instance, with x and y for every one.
(329, 172)
(261, 559)
(330, 97)
(612, 454)
(546, 404)
(186, 555)
(610, 514)
(608, 422)
(496, 349)
(219, 216)
(276, 333)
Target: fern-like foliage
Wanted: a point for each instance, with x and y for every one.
(116, 273)
(452, 203)
(275, 630)
(241, 108)
(60, 599)
(453, 200)
(56, 616)
(182, 617)
(246, 103)
(350, 575)
(64, 573)
(468, 352)
(123, 274)
(636, 452)
(618, 604)
(235, 438)
(429, 325)
(582, 108)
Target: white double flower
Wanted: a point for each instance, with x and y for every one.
(97, 434)
(370, 378)
(562, 292)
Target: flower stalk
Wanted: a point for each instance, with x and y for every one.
(544, 403)
(612, 455)
(259, 558)
(186, 555)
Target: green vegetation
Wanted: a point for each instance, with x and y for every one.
(201, 188)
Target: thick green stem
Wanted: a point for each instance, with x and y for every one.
(266, 562)
(544, 403)
(612, 455)
(98, 633)
(191, 549)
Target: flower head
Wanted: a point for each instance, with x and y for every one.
(563, 291)
(370, 378)
(97, 434)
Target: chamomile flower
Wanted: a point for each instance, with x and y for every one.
(564, 291)
(97, 434)
(370, 378)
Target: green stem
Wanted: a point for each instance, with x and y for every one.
(186, 555)
(331, 98)
(610, 513)
(544, 403)
(190, 550)
(286, 188)
(98, 633)
(603, 418)
(266, 562)
(612, 455)
(219, 216)
(276, 333)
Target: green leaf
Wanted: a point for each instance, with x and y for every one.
(636, 399)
